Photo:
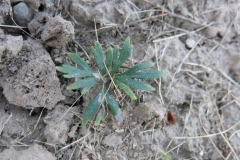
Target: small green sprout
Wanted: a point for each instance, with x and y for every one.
(108, 70)
(165, 155)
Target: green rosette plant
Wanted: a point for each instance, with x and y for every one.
(107, 73)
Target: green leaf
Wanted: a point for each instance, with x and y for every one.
(147, 75)
(137, 67)
(75, 58)
(135, 84)
(115, 109)
(115, 60)
(87, 83)
(126, 88)
(72, 71)
(93, 107)
(124, 55)
(88, 86)
(165, 155)
(125, 52)
(101, 116)
(109, 58)
(98, 57)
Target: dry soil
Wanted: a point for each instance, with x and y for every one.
(196, 43)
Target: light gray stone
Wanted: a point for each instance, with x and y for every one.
(22, 13)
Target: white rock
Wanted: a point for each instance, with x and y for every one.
(190, 43)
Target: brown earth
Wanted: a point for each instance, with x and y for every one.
(197, 43)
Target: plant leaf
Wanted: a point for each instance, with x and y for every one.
(87, 83)
(147, 74)
(115, 60)
(93, 107)
(125, 52)
(101, 116)
(88, 86)
(77, 59)
(135, 84)
(124, 55)
(165, 155)
(137, 67)
(126, 88)
(98, 57)
(72, 71)
(109, 58)
(115, 109)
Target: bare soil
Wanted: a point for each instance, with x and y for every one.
(197, 43)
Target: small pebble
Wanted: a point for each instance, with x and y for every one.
(153, 147)
(211, 32)
(58, 59)
(190, 43)
(190, 80)
(22, 14)
(134, 145)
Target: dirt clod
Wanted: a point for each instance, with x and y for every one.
(38, 151)
(57, 127)
(54, 32)
(112, 140)
(33, 82)
(10, 45)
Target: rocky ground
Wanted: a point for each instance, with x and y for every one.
(197, 43)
